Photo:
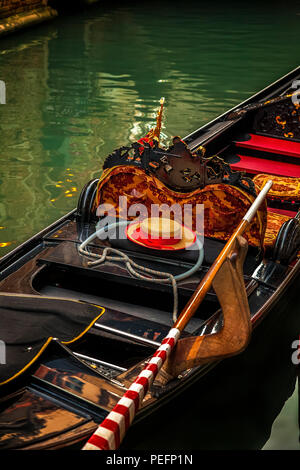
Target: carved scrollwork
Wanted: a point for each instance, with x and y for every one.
(178, 168)
(279, 119)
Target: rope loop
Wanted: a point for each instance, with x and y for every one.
(136, 270)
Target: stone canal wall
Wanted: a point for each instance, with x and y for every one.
(17, 14)
(13, 7)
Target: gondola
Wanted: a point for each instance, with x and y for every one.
(87, 302)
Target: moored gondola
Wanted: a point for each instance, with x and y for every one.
(87, 302)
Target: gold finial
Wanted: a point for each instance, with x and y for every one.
(157, 129)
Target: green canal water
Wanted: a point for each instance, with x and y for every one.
(90, 81)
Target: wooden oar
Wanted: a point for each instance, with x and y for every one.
(206, 282)
(112, 430)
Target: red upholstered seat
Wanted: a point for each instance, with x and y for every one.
(274, 223)
(224, 205)
(282, 211)
(270, 144)
(260, 165)
(283, 189)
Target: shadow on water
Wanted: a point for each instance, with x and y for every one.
(234, 406)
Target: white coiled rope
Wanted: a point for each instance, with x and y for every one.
(134, 268)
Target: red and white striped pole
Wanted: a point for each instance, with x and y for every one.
(112, 430)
